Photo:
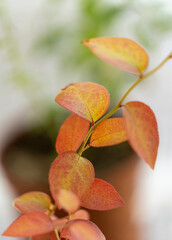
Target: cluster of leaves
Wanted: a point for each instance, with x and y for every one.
(71, 177)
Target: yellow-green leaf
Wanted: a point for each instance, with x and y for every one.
(122, 53)
(88, 100)
(32, 201)
(72, 172)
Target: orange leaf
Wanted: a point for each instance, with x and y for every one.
(47, 236)
(72, 172)
(80, 214)
(72, 133)
(122, 53)
(81, 229)
(88, 100)
(101, 196)
(32, 201)
(30, 224)
(59, 222)
(142, 130)
(109, 132)
(67, 200)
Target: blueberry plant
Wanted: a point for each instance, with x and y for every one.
(71, 177)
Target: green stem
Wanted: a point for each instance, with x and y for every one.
(52, 210)
(143, 77)
(57, 235)
(85, 148)
(85, 140)
(118, 105)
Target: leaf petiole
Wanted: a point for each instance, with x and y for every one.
(52, 210)
(118, 105)
(57, 235)
(142, 77)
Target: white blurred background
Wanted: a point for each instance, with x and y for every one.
(40, 52)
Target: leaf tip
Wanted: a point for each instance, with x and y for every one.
(152, 165)
(142, 131)
(3, 234)
(121, 202)
(84, 42)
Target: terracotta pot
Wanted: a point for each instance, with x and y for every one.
(27, 160)
(118, 224)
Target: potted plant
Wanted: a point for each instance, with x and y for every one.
(71, 176)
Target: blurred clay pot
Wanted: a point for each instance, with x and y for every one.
(27, 159)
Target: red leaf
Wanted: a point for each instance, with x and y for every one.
(72, 172)
(101, 196)
(67, 200)
(47, 236)
(72, 133)
(81, 230)
(88, 100)
(109, 132)
(32, 201)
(122, 53)
(30, 224)
(142, 130)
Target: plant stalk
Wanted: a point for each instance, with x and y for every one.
(52, 210)
(118, 105)
(57, 235)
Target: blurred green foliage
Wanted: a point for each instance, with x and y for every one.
(60, 37)
(102, 18)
